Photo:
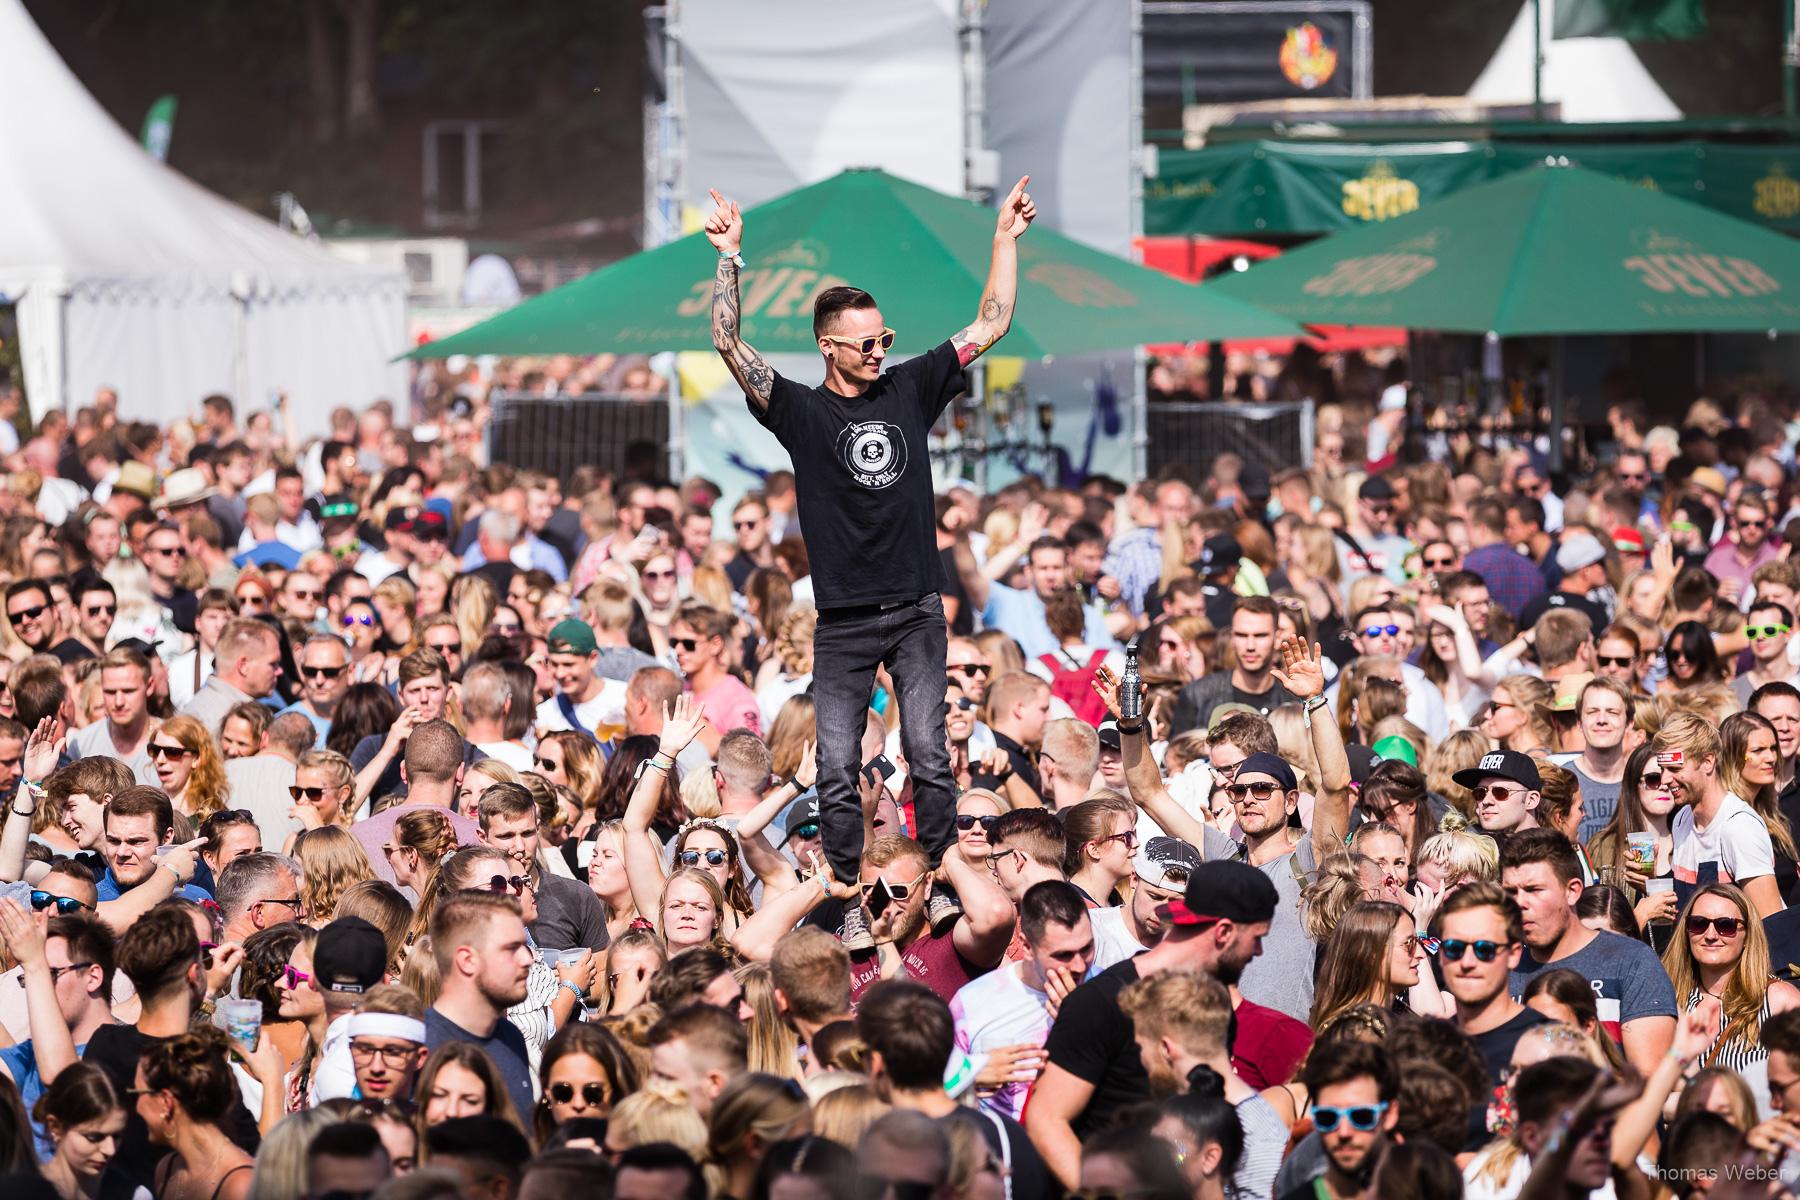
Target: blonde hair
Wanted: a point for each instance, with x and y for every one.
(1318, 552)
(1749, 982)
(658, 1112)
(845, 1113)
(1460, 851)
(793, 642)
(331, 860)
(1334, 889)
(774, 1048)
(472, 604)
(760, 1104)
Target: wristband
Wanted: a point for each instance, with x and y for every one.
(177, 874)
(563, 983)
(1315, 704)
(1134, 727)
(735, 256)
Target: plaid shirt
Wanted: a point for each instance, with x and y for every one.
(1512, 579)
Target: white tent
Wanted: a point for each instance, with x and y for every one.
(127, 274)
(1594, 79)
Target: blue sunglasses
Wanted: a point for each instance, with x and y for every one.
(1378, 630)
(1362, 1117)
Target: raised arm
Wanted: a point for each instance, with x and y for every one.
(643, 853)
(994, 318)
(725, 230)
(1302, 673)
(1143, 778)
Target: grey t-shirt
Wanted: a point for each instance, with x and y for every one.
(569, 915)
(95, 741)
(622, 662)
(1628, 979)
(1282, 976)
(1598, 802)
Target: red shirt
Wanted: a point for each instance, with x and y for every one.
(932, 960)
(1268, 1046)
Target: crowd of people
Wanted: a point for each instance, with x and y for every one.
(385, 822)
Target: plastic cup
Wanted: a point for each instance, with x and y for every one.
(572, 957)
(1640, 849)
(240, 1019)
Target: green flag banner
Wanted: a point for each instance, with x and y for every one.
(1638, 20)
(159, 127)
(1268, 187)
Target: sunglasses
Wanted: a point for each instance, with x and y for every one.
(1757, 632)
(104, 611)
(1128, 838)
(28, 614)
(1423, 943)
(1728, 927)
(972, 670)
(506, 629)
(544, 764)
(158, 750)
(1439, 564)
(1378, 630)
(322, 672)
(658, 574)
(688, 644)
(1451, 949)
(1653, 780)
(292, 978)
(866, 345)
(805, 832)
(1607, 660)
(1752, 524)
(1362, 1117)
(501, 884)
(714, 858)
(165, 551)
(746, 524)
(594, 1094)
(303, 594)
(968, 821)
(348, 620)
(899, 891)
(1262, 791)
(315, 794)
(64, 904)
(1482, 790)
(445, 647)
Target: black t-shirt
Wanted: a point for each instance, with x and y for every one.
(69, 651)
(963, 625)
(1496, 1045)
(1595, 613)
(1093, 1040)
(116, 1049)
(863, 474)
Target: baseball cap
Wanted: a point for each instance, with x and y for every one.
(398, 520)
(350, 956)
(801, 811)
(1581, 550)
(1221, 551)
(1363, 762)
(1223, 891)
(571, 636)
(429, 524)
(1375, 487)
(1506, 764)
(1109, 733)
(1395, 748)
(1262, 763)
(1165, 862)
(1627, 539)
(337, 508)
(1393, 398)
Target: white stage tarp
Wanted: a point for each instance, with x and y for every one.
(127, 274)
(1593, 79)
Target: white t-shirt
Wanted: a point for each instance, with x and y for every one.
(1736, 842)
(511, 753)
(996, 1010)
(606, 708)
(1112, 942)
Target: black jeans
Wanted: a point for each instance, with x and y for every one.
(910, 641)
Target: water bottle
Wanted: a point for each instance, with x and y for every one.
(1131, 687)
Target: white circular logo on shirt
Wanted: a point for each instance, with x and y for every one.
(874, 452)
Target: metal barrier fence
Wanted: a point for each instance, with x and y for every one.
(556, 434)
(1189, 435)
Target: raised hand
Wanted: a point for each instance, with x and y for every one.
(1032, 522)
(681, 725)
(806, 771)
(43, 749)
(22, 935)
(1302, 670)
(1106, 686)
(1017, 211)
(725, 227)
(1696, 1029)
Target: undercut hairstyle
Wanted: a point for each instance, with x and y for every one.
(125, 656)
(144, 801)
(1036, 831)
(828, 304)
(1352, 1060)
(394, 999)
(1192, 1009)
(1052, 902)
(910, 1026)
(891, 848)
(460, 917)
(508, 800)
(1013, 687)
(1482, 894)
(249, 874)
(812, 969)
(684, 977)
(707, 1032)
(1075, 745)
(745, 761)
(1248, 732)
(89, 941)
(1262, 606)
(434, 751)
(1546, 846)
(157, 951)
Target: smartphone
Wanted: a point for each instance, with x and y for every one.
(1669, 758)
(879, 765)
(879, 899)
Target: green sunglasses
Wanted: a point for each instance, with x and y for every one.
(1755, 632)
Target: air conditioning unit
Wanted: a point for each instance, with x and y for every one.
(434, 266)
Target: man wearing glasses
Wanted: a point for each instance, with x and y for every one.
(164, 551)
(325, 676)
(1368, 544)
(33, 616)
(858, 444)
(750, 521)
(257, 891)
(76, 953)
(1481, 939)
(1744, 548)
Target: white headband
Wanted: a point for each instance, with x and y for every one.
(394, 1025)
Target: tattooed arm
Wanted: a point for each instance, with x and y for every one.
(725, 230)
(995, 318)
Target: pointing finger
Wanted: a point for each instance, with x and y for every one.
(717, 199)
(1018, 188)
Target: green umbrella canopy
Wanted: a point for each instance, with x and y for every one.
(1557, 250)
(922, 255)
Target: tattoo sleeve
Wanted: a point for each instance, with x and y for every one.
(746, 365)
(976, 340)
